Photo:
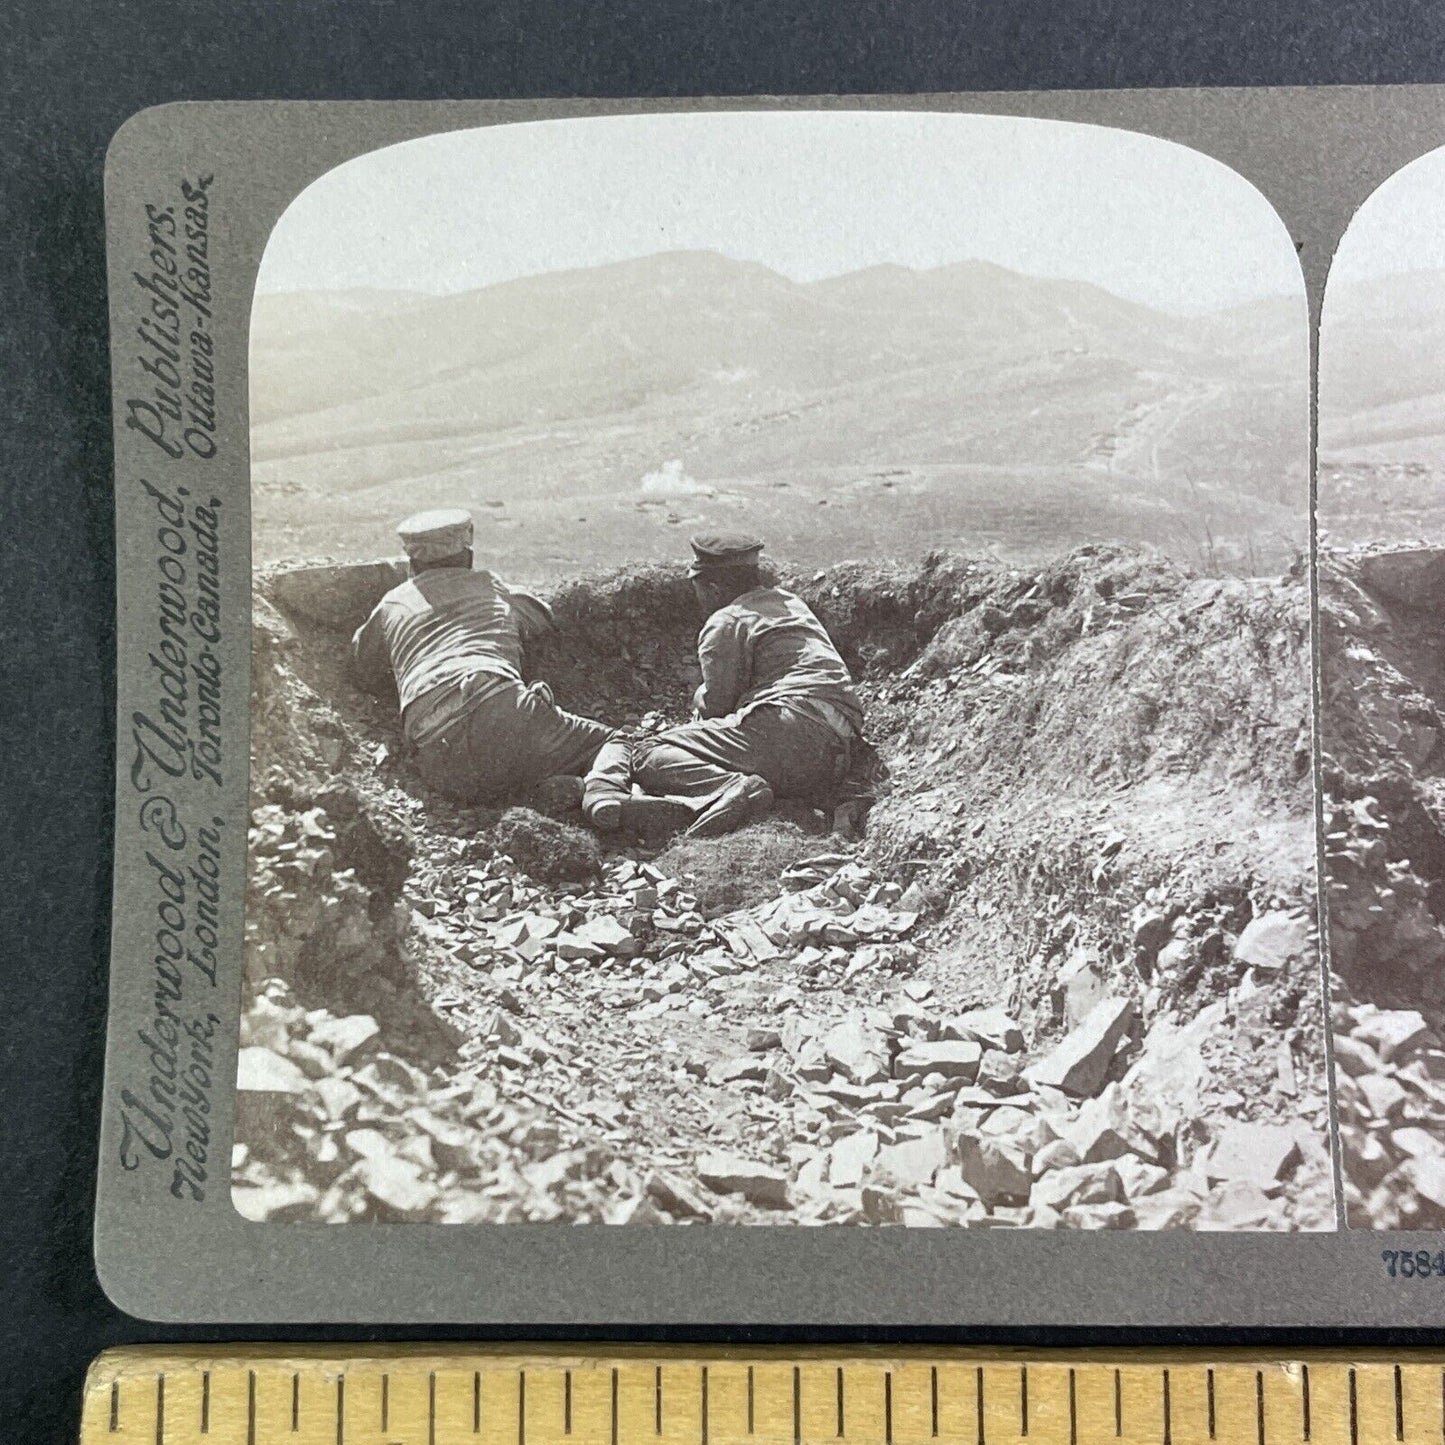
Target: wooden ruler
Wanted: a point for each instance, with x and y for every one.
(424, 1395)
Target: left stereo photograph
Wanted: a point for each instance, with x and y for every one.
(839, 733)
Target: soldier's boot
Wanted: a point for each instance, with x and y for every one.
(744, 800)
(638, 813)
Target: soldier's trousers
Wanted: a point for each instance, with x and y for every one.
(507, 743)
(798, 755)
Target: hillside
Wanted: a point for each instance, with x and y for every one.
(1382, 410)
(1384, 339)
(880, 411)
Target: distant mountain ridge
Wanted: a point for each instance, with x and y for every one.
(717, 311)
(576, 384)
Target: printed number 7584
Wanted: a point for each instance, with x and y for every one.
(1413, 1263)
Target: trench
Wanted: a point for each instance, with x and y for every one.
(1086, 785)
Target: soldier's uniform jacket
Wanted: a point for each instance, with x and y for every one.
(768, 647)
(441, 630)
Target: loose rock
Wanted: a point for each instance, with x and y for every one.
(1078, 1065)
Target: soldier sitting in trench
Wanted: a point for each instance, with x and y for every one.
(453, 639)
(777, 714)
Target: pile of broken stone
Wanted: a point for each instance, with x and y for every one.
(1390, 1091)
(627, 1060)
(949, 1120)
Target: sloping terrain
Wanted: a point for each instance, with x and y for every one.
(1381, 397)
(1046, 961)
(587, 415)
(1383, 685)
(1382, 411)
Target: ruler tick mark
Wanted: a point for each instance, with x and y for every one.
(978, 1383)
(1399, 1405)
(340, 1410)
(888, 1407)
(115, 1404)
(1073, 1411)
(797, 1406)
(839, 1389)
(614, 1405)
(476, 1402)
(1168, 1413)
(1305, 1400)
(250, 1407)
(205, 1402)
(295, 1402)
(657, 1401)
(567, 1403)
(1118, 1404)
(1209, 1399)
(1259, 1405)
(750, 1401)
(932, 1393)
(385, 1402)
(1354, 1412)
(160, 1408)
(431, 1408)
(521, 1407)
(1023, 1399)
(703, 1388)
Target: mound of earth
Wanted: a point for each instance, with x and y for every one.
(1382, 640)
(1046, 961)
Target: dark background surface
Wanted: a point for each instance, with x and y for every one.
(70, 73)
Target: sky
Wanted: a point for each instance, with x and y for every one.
(1400, 227)
(810, 195)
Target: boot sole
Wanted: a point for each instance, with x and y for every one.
(728, 819)
(655, 817)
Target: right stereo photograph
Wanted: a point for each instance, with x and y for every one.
(1381, 551)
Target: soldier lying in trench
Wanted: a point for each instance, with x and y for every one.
(776, 715)
(453, 640)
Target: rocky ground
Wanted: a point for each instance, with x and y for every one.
(1048, 961)
(1383, 679)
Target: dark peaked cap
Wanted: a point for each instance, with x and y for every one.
(723, 549)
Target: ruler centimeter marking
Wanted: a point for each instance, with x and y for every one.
(306, 1396)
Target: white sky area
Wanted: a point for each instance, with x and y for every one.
(1400, 227)
(808, 194)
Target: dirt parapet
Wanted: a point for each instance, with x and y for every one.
(326, 866)
(1106, 741)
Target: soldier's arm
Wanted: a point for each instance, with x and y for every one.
(370, 654)
(533, 615)
(722, 655)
